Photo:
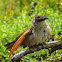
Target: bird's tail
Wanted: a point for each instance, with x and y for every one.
(18, 42)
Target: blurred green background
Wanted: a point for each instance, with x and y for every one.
(14, 19)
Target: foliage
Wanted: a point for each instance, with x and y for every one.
(14, 19)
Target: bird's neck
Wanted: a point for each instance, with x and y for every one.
(39, 25)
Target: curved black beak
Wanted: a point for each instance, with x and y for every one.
(45, 18)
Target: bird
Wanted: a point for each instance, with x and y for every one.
(36, 34)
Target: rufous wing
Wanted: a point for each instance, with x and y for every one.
(9, 45)
(19, 41)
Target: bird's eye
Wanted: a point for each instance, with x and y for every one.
(38, 17)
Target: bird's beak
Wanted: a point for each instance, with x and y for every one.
(45, 18)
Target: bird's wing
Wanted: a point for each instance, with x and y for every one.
(9, 45)
(20, 40)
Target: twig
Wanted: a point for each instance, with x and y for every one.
(32, 7)
(6, 40)
(36, 48)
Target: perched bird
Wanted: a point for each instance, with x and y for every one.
(34, 35)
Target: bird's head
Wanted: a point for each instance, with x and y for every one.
(39, 18)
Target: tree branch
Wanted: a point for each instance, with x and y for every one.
(52, 44)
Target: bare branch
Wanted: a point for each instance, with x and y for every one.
(36, 48)
(6, 40)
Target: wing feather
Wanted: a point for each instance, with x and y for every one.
(18, 42)
(9, 45)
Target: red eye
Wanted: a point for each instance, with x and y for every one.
(40, 19)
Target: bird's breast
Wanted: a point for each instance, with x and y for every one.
(37, 37)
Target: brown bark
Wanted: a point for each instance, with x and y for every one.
(54, 45)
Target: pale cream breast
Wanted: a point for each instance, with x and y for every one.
(40, 34)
